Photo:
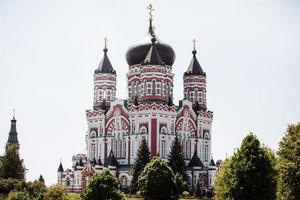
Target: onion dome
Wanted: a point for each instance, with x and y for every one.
(105, 65)
(13, 135)
(60, 168)
(194, 67)
(195, 161)
(138, 52)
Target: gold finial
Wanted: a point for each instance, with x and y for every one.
(194, 44)
(151, 9)
(105, 42)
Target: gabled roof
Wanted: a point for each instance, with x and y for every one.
(13, 135)
(60, 168)
(194, 67)
(153, 57)
(195, 161)
(111, 160)
(105, 65)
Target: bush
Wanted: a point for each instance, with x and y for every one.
(18, 195)
(56, 192)
(102, 186)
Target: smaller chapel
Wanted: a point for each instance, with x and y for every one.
(115, 127)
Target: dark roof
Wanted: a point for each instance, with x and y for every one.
(111, 160)
(153, 57)
(60, 168)
(13, 135)
(105, 65)
(137, 52)
(195, 161)
(194, 67)
(212, 162)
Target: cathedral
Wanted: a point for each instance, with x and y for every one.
(115, 126)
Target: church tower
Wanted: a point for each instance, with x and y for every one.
(194, 83)
(105, 81)
(13, 134)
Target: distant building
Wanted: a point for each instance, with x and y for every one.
(115, 127)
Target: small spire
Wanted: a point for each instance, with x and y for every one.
(105, 45)
(14, 112)
(194, 46)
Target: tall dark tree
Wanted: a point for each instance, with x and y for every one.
(141, 160)
(176, 158)
(289, 164)
(157, 181)
(12, 165)
(249, 174)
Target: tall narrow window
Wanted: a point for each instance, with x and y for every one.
(145, 88)
(206, 153)
(153, 87)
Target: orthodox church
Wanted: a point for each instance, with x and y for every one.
(115, 127)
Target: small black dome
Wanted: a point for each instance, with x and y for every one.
(138, 52)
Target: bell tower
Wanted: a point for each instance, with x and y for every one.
(194, 83)
(105, 81)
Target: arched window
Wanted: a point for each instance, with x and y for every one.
(124, 182)
(145, 88)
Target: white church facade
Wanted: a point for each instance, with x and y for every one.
(115, 127)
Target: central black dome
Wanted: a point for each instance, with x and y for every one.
(138, 52)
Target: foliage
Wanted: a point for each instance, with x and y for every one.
(141, 160)
(289, 164)
(156, 180)
(73, 196)
(12, 165)
(176, 158)
(18, 195)
(35, 189)
(180, 183)
(249, 174)
(56, 192)
(102, 185)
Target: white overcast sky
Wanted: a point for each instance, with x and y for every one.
(49, 50)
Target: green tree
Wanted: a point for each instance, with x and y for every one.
(249, 174)
(12, 165)
(289, 165)
(141, 160)
(18, 195)
(56, 192)
(157, 181)
(101, 186)
(176, 158)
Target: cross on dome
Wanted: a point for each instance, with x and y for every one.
(105, 42)
(194, 43)
(151, 9)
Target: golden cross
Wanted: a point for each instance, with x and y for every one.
(151, 9)
(105, 42)
(194, 43)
